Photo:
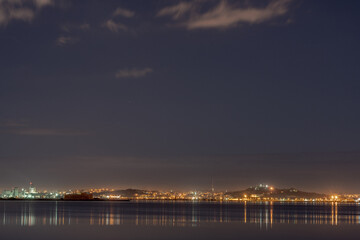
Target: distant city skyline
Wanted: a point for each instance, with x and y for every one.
(258, 193)
(31, 188)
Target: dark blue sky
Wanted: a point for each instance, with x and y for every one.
(166, 94)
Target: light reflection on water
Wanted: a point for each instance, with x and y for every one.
(31, 213)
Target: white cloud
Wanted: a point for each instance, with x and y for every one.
(21, 10)
(43, 3)
(62, 40)
(25, 14)
(114, 26)
(9, 13)
(133, 73)
(123, 12)
(176, 11)
(224, 15)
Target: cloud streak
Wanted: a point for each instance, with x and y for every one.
(62, 40)
(114, 26)
(223, 15)
(176, 11)
(133, 73)
(21, 10)
(123, 13)
(43, 3)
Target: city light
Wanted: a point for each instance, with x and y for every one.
(258, 193)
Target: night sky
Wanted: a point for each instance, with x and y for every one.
(166, 94)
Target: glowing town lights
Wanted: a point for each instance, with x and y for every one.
(334, 198)
(253, 194)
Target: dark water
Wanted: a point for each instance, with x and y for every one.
(177, 220)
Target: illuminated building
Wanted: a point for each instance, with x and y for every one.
(16, 192)
(32, 189)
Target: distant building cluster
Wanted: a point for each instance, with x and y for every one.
(30, 193)
(259, 193)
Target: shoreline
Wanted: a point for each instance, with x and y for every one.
(181, 200)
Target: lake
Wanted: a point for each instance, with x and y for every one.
(177, 220)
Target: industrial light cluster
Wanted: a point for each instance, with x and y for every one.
(30, 193)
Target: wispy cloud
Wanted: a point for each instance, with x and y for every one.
(123, 13)
(64, 40)
(133, 73)
(43, 3)
(9, 13)
(48, 132)
(71, 33)
(21, 10)
(178, 10)
(224, 15)
(114, 26)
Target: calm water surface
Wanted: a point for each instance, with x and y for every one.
(177, 220)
